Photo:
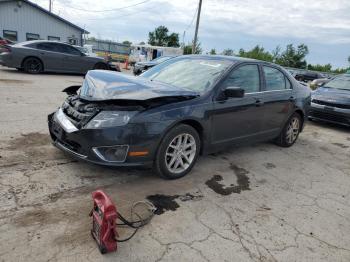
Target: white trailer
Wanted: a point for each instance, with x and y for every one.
(141, 53)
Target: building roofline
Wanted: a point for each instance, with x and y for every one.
(51, 14)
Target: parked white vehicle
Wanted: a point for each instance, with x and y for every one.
(143, 53)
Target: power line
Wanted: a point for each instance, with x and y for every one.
(194, 15)
(107, 10)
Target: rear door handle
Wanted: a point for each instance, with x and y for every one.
(292, 99)
(259, 102)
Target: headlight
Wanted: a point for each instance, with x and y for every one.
(110, 119)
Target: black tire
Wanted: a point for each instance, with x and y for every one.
(161, 160)
(101, 66)
(32, 65)
(287, 137)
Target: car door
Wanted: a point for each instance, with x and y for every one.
(72, 59)
(50, 56)
(238, 119)
(278, 99)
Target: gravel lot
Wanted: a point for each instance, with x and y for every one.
(253, 203)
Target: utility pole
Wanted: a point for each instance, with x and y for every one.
(50, 6)
(197, 25)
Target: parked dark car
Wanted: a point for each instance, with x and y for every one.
(49, 56)
(140, 67)
(173, 112)
(331, 102)
(306, 76)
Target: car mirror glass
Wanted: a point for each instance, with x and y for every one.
(234, 91)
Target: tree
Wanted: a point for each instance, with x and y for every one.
(173, 40)
(256, 53)
(321, 68)
(228, 51)
(160, 37)
(293, 57)
(188, 48)
(142, 43)
(212, 51)
(126, 42)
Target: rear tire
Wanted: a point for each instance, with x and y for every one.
(101, 66)
(290, 132)
(178, 152)
(32, 65)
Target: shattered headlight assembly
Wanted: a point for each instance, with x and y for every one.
(110, 119)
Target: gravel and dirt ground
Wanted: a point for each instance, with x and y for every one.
(252, 203)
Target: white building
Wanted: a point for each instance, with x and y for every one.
(22, 20)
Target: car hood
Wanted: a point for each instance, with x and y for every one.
(102, 85)
(332, 95)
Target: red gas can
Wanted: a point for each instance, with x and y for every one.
(104, 215)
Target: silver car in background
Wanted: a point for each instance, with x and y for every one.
(49, 56)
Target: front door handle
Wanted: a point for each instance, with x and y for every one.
(259, 102)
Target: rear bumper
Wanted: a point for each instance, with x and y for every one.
(330, 114)
(81, 144)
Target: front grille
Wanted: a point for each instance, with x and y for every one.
(329, 116)
(78, 111)
(325, 103)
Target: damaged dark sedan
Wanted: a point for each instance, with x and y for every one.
(331, 102)
(184, 107)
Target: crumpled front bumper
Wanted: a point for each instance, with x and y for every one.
(82, 143)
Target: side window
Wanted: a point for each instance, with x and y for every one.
(45, 46)
(69, 50)
(245, 77)
(275, 79)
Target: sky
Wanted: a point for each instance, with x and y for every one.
(323, 25)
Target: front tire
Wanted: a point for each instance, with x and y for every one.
(32, 65)
(290, 131)
(177, 152)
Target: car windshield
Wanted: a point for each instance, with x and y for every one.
(194, 74)
(340, 82)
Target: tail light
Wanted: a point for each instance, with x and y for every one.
(5, 48)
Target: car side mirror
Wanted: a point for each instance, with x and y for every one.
(233, 91)
(82, 54)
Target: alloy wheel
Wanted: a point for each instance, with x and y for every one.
(180, 153)
(34, 66)
(293, 130)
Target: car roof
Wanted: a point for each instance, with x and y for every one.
(39, 41)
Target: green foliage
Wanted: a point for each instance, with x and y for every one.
(212, 51)
(228, 52)
(320, 68)
(142, 43)
(160, 37)
(188, 48)
(257, 53)
(292, 57)
(173, 40)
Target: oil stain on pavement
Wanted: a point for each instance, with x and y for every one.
(242, 181)
(167, 203)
